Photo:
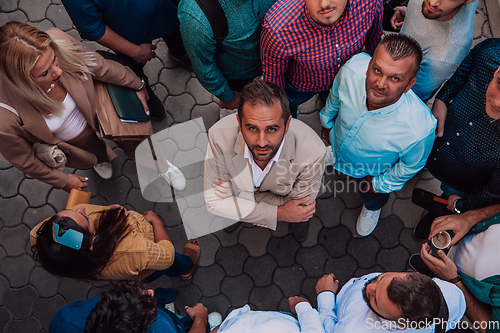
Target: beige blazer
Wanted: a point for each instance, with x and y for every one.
(296, 174)
(18, 134)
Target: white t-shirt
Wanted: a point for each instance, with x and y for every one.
(476, 255)
(69, 124)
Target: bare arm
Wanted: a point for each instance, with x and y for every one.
(476, 310)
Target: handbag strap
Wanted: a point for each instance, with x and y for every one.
(9, 108)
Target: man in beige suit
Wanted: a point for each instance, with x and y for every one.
(262, 166)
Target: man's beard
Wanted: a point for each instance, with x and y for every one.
(269, 156)
(367, 300)
(433, 16)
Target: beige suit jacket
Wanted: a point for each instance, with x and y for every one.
(295, 175)
(18, 134)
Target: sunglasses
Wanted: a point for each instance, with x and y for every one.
(70, 238)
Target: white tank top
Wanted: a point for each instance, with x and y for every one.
(70, 123)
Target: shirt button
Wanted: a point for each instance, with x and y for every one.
(355, 127)
(435, 159)
(338, 58)
(338, 65)
(448, 143)
(458, 134)
(336, 45)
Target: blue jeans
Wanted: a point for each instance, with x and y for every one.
(181, 265)
(372, 201)
(296, 97)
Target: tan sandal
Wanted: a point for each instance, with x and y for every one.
(196, 247)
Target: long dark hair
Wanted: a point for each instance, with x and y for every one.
(126, 309)
(85, 263)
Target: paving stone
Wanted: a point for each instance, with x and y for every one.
(312, 120)
(308, 290)
(431, 185)
(14, 239)
(219, 303)
(169, 212)
(116, 190)
(45, 309)
(232, 259)
(13, 16)
(200, 94)
(100, 200)
(407, 190)
(479, 20)
(17, 269)
(330, 176)
(409, 241)
(282, 229)
(266, 298)
(33, 216)
(289, 279)
(237, 289)
(34, 13)
(28, 325)
(180, 107)
(45, 283)
(118, 163)
(167, 121)
(487, 30)
(34, 191)
(130, 171)
(255, 240)
(343, 268)
(97, 291)
(387, 209)
(312, 260)
(315, 227)
(136, 199)
(283, 305)
(4, 286)
(364, 271)
(5, 317)
(10, 180)
(364, 250)
(209, 245)
(388, 230)
(210, 114)
(57, 199)
(393, 260)
(335, 240)
(73, 290)
(228, 239)
(19, 301)
(58, 15)
(349, 218)
(260, 269)
(188, 295)
(209, 279)
(175, 79)
(283, 250)
(347, 190)
(152, 70)
(3, 254)
(408, 212)
(329, 211)
(11, 210)
(182, 135)
(308, 106)
(8, 6)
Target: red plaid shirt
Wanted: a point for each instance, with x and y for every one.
(294, 48)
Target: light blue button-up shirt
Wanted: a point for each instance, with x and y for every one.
(391, 143)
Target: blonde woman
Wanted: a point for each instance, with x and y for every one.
(48, 79)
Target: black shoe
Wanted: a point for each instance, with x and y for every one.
(423, 227)
(417, 264)
(300, 230)
(156, 108)
(232, 227)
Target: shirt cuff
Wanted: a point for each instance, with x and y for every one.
(326, 298)
(302, 307)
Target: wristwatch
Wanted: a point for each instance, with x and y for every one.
(455, 209)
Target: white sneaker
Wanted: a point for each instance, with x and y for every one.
(104, 170)
(367, 221)
(329, 158)
(175, 177)
(214, 320)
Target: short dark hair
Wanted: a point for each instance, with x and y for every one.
(124, 309)
(260, 92)
(401, 46)
(416, 295)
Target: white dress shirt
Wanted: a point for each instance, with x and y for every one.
(348, 312)
(258, 174)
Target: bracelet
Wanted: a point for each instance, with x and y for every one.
(142, 85)
(455, 280)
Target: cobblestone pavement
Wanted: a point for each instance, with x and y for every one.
(251, 265)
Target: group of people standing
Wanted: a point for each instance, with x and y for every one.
(263, 165)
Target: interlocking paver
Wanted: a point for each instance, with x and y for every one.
(392, 260)
(335, 240)
(34, 191)
(255, 240)
(407, 212)
(4, 286)
(290, 279)
(34, 13)
(45, 284)
(260, 269)
(228, 238)
(315, 227)
(116, 190)
(20, 300)
(17, 269)
(14, 239)
(237, 289)
(407, 239)
(387, 231)
(10, 180)
(219, 303)
(329, 211)
(364, 250)
(232, 259)
(8, 6)
(45, 308)
(200, 94)
(33, 216)
(16, 15)
(312, 259)
(210, 287)
(343, 268)
(28, 325)
(283, 249)
(5, 317)
(209, 245)
(266, 298)
(180, 107)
